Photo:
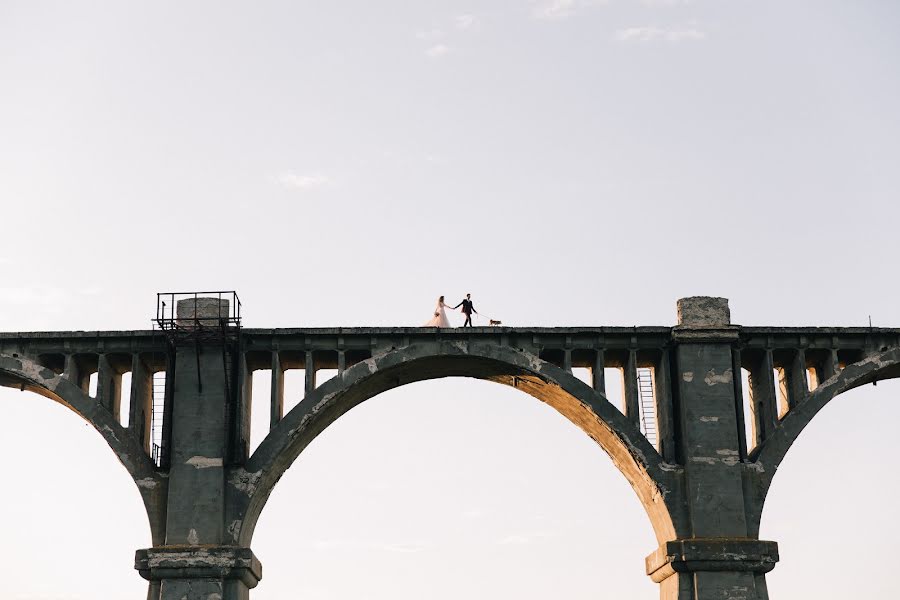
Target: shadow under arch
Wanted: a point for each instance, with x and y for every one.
(656, 483)
(25, 374)
(876, 367)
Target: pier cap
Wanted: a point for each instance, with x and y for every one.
(208, 311)
(703, 312)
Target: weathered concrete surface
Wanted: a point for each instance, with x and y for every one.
(200, 572)
(703, 487)
(712, 555)
(703, 311)
(205, 310)
(196, 506)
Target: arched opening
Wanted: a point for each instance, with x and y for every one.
(73, 517)
(453, 488)
(831, 506)
(651, 479)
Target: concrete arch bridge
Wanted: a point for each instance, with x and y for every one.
(680, 438)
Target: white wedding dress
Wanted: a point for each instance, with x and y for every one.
(440, 317)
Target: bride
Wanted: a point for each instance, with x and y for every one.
(440, 317)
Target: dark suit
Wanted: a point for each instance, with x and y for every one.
(467, 308)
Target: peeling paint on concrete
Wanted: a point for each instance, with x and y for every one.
(109, 430)
(709, 419)
(147, 483)
(235, 529)
(204, 462)
(245, 482)
(192, 537)
(756, 466)
(688, 376)
(713, 379)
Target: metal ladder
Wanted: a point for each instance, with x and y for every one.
(157, 406)
(647, 404)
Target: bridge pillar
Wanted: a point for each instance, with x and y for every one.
(717, 559)
(199, 560)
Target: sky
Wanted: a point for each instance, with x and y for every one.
(568, 162)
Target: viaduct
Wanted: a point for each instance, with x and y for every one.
(699, 451)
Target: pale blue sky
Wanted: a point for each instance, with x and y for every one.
(343, 163)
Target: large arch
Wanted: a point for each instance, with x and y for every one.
(882, 365)
(25, 374)
(656, 483)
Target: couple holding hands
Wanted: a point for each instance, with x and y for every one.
(440, 316)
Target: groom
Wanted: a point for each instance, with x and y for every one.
(467, 308)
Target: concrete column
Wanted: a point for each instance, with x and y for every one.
(109, 386)
(717, 559)
(245, 410)
(277, 406)
(763, 403)
(831, 366)
(632, 402)
(197, 452)
(597, 374)
(140, 411)
(168, 405)
(739, 402)
(664, 408)
(310, 373)
(73, 372)
(799, 388)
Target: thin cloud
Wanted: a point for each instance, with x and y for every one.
(302, 181)
(552, 10)
(351, 544)
(519, 539)
(465, 22)
(404, 548)
(666, 2)
(429, 35)
(48, 298)
(437, 51)
(659, 34)
(558, 10)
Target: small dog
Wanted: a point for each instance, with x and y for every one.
(494, 322)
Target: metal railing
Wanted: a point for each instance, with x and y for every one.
(217, 309)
